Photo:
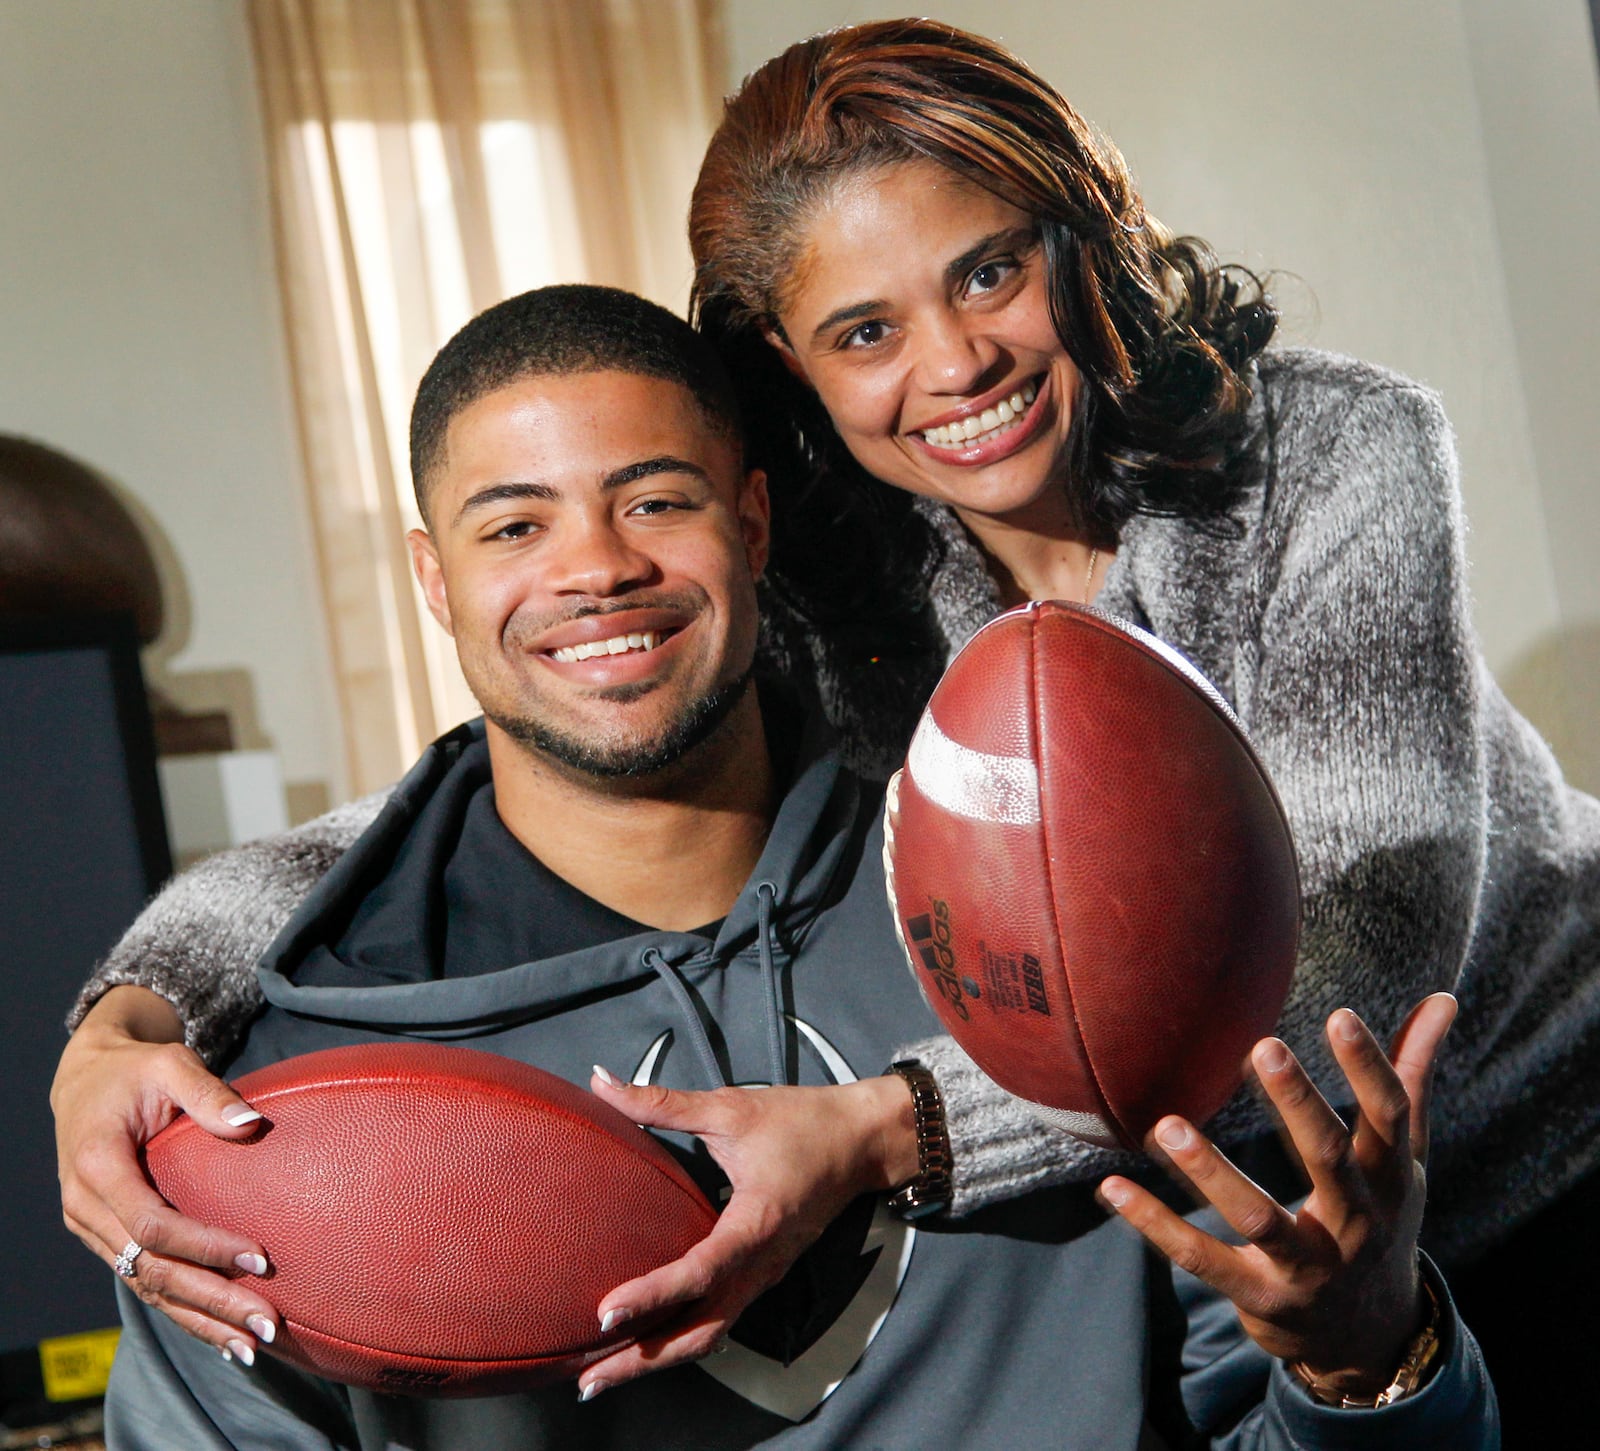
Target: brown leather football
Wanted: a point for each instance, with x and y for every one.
(439, 1221)
(1092, 875)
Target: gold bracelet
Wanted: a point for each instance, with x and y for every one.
(1414, 1367)
(929, 1189)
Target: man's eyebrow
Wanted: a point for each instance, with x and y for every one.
(500, 493)
(662, 464)
(616, 479)
(1016, 238)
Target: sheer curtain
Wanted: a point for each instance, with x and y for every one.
(428, 158)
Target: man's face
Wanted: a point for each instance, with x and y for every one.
(593, 551)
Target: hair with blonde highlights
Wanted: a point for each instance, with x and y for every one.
(1161, 333)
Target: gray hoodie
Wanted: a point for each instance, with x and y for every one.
(1034, 1323)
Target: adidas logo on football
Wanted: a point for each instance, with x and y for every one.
(930, 932)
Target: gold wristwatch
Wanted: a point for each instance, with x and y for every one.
(1413, 1373)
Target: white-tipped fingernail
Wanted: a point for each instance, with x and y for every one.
(605, 1077)
(262, 1328)
(251, 1264)
(240, 1113)
(1173, 1136)
(613, 1318)
(1116, 1195)
(224, 1352)
(590, 1391)
(242, 1352)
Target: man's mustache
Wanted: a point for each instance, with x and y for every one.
(688, 605)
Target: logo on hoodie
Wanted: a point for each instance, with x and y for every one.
(792, 1347)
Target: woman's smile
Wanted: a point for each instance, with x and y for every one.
(982, 432)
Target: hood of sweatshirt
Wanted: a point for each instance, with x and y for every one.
(726, 993)
(804, 982)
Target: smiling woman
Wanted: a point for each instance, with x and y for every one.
(950, 380)
(924, 230)
(900, 233)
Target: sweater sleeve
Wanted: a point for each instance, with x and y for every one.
(1358, 684)
(197, 942)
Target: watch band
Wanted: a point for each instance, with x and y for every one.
(1413, 1373)
(930, 1189)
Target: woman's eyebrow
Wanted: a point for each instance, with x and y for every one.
(1007, 238)
(1013, 238)
(851, 312)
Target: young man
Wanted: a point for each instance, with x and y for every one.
(640, 858)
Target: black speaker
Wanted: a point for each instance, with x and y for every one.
(83, 845)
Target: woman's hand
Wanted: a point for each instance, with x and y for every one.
(795, 1157)
(1334, 1286)
(124, 1076)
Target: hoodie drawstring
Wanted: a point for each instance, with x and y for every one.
(766, 897)
(690, 1014)
(689, 1009)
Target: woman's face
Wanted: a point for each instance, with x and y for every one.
(917, 311)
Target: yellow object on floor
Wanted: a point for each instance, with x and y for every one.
(76, 1367)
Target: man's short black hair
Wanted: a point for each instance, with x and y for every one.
(571, 328)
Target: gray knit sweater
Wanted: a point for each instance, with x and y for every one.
(1439, 846)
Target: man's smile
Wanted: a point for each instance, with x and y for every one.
(632, 633)
(616, 645)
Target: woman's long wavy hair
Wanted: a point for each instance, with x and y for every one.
(1159, 331)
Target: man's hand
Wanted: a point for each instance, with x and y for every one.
(125, 1075)
(795, 1157)
(1334, 1286)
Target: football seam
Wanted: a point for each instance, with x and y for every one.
(412, 1359)
(1195, 679)
(1037, 723)
(690, 1191)
(445, 1363)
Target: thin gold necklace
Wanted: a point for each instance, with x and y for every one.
(1088, 579)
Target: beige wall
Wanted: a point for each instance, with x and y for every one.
(1431, 171)
(1539, 104)
(141, 332)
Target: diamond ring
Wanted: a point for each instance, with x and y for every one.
(123, 1264)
